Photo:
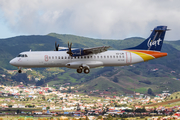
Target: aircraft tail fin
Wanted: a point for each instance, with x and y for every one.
(154, 41)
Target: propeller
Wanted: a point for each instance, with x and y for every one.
(56, 46)
(69, 51)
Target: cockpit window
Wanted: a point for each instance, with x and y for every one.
(22, 55)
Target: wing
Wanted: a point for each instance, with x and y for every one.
(95, 50)
(84, 51)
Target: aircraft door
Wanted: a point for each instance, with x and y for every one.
(128, 57)
(46, 59)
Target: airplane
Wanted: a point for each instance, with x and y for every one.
(82, 59)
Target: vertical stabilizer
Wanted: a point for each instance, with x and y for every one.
(154, 41)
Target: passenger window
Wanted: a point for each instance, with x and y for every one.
(97, 56)
(113, 56)
(94, 56)
(56, 57)
(107, 56)
(65, 58)
(59, 57)
(101, 57)
(26, 55)
(68, 57)
(91, 56)
(116, 56)
(52, 57)
(81, 57)
(84, 57)
(87, 56)
(78, 57)
(110, 56)
(49, 57)
(104, 56)
(74, 57)
(119, 56)
(62, 57)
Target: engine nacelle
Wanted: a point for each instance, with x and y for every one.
(78, 52)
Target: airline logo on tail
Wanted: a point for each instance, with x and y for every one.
(155, 43)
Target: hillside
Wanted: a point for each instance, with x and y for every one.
(114, 80)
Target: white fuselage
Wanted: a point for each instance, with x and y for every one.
(62, 59)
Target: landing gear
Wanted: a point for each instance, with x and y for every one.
(79, 70)
(19, 71)
(86, 70)
(81, 67)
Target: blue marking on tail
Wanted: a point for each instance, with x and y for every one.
(154, 41)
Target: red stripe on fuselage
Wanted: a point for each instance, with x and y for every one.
(155, 54)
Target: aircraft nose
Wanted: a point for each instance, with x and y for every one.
(12, 62)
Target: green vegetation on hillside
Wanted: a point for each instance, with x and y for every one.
(115, 80)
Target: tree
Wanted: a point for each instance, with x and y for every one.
(107, 109)
(109, 117)
(139, 110)
(150, 92)
(43, 97)
(115, 79)
(86, 111)
(10, 106)
(47, 108)
(87, 118)
(40, 82)
(78, 108)
(69, 90)
(20, 77)
(18, 111)
(100, 117)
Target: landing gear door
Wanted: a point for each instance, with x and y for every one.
(128, 57)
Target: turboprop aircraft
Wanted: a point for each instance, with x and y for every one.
(83, 59)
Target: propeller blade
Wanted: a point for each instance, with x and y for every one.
(69, 47)
(56, 46)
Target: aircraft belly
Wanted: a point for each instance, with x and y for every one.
(77, 64)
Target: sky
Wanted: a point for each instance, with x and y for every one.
(102, 19)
